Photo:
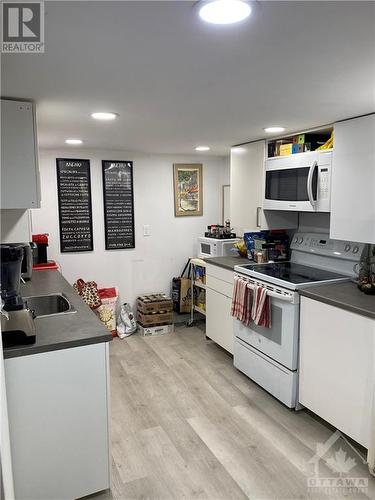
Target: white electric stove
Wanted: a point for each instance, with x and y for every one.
(269, 356)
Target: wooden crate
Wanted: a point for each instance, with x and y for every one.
(155, 303)
(155, 319)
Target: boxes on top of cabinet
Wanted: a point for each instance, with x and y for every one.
(298, 143)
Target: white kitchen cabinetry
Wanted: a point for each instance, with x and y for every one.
(20, 187)
(336, 367)
(247, 180)
(58, 419)
(353, 181)
(219, 292)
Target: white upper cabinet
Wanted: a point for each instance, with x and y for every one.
(247, 179)
(19, 156)
(353, 181)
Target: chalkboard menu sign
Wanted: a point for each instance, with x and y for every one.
(118, 204)
(75, 214)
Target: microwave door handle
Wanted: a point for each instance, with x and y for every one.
(309, 184)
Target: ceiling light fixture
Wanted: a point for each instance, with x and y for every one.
(202, 148)
(104, 115)
(238, 150)
(224, 11)
(274, 130)
(73, 142)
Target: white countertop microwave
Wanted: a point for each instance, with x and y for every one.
(300, 182)
(213, 247)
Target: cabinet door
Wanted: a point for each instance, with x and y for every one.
(19, 160)
(247, 192)
(336, 367)
(58, 419)
(219, 322)
(353, 181)
(246, 180)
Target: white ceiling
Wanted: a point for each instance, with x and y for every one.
(178, 82)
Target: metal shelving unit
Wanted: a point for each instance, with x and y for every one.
(197, 284)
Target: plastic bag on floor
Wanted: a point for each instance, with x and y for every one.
(126, 324)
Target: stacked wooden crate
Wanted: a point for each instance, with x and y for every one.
(155, 314)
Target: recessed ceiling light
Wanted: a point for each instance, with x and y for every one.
(238, 150)
(202, 148)
(74, 141)
(274, 130)
(224, 11)
(104, 115)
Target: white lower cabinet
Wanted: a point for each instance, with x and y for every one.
(59, 422)
(336, 367)
(219, 291)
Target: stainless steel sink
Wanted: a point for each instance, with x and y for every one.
(49, 305)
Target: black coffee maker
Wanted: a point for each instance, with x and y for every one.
(17, 321)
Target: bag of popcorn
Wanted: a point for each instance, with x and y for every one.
(107, 310)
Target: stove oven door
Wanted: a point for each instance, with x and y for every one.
(280, 342)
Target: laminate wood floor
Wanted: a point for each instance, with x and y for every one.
(186, 424)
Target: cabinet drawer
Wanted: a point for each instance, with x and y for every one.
(273, 377)
(220, 273)
(220, 286)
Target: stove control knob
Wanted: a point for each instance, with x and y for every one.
(295, 240)
(300, 240)
(347, 247)
(355, 249)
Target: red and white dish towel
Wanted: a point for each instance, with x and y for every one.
(250, 304)
(242, 301)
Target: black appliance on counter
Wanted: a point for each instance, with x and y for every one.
(27, 260)
(17, 321)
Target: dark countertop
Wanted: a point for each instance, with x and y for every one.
(344, 295)
(228, 262)
(66, 330)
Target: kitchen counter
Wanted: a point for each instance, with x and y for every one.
(63, 331)
(228, 262)
(344, 296)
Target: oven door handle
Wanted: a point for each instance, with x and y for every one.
(309, 184)
(275, 295)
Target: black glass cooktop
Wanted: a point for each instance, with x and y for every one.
(293, 273)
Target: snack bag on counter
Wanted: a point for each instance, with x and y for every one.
(88, 291)
(107, 310)
(241, 248)
(126, 324)
(254, 242)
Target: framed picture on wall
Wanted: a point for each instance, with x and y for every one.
(188, 189)
(74, 199)
(118, 196)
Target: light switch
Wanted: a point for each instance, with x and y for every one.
(147, 230)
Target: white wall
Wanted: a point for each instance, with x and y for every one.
(156, 258)
(14, 227)
(314, 222)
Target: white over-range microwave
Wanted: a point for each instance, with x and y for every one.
(214, 247)
(300, 182)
